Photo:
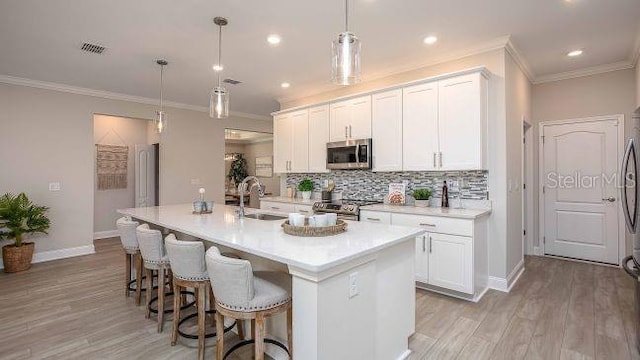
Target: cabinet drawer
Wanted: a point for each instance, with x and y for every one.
(304, 209)
(435, 224)
(277, 207)
(375, 217)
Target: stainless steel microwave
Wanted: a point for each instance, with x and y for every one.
(349, 154)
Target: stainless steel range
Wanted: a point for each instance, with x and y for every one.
(347, 209)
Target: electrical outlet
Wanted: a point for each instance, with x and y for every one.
(195, 181)
(54, 186)
(353, 285)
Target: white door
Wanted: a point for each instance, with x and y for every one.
(360, 125)
(386, 127)
(282, 133)
(460, 122)
(422, 259)
(340, 120)
(300, 141)
(144, 175)
(318, 138)
(580, 165)
(420, 127)
(451, 262)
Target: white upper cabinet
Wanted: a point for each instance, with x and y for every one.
(420, 127)
(318, 138)
(386, 129)
(351, 119)
(282, 133)
(462, 118)
(300, 142)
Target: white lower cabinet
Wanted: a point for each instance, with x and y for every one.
(451, 262)
(422, 259)
(277, 206)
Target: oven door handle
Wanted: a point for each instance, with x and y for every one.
(357, 153)
(625, 265)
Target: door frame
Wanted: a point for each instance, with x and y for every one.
(527, 193)
(541, 205)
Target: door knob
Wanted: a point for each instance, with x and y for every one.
(609, 199)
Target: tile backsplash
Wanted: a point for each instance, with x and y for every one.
(367, 185)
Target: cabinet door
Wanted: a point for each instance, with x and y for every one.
(300, 141)
(340, 120)
(386, 129)
(304, 209)
(318, 138)
(422, 259)
(360, 118)
(451, 262)
(282, 134)
(462, 122)
(273, 206)
(420, 127)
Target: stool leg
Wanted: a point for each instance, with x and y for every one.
(161, 288)
(290, 331)
(240, 326)
(127, 273)
(149, 293)
(138, 264)
(253, 329)
(212, 304)
(259, 336)
(220, 337)
(201, 319)
(177, 304)
(170, 277)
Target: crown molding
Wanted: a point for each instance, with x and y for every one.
(520, 60)
(594, 70)
(12, 80)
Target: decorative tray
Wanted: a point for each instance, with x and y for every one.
(312, 231)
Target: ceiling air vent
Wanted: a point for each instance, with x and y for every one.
(232, 81)
(93, 48)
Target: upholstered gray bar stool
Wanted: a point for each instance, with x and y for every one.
(156, 259)
(129, 240)
(242, 294)
(189, 271)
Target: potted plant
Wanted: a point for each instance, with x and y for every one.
(306, 187)
(18, 217)
(238, 169)
(422, 197)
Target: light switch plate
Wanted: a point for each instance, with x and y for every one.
(54, 186)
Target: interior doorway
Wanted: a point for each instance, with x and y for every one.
(249, 153)
(580, 214)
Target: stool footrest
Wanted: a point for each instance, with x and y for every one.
(169, 311)
(252, 341)
(143, 288)
(209, 335)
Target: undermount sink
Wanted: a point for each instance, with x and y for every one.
(265, 217)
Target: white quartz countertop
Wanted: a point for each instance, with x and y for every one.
(288, 200)
(267, 239)
(429, 211)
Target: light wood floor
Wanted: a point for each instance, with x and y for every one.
(75, 309)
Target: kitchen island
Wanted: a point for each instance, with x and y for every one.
(353, 294)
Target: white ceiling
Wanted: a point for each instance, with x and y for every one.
(40, 40)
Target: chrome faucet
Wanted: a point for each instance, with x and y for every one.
(242, 188)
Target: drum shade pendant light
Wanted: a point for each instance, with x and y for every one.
(345, 59)
(219, 99)
(160, 120)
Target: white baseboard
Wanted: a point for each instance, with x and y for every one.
(405, 355)
(105, 234)
(505, 285)
(537, 250)
(60, 254)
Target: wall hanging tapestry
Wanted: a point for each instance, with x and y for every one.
(112, 166)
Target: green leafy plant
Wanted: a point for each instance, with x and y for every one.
(19, 216)
(422, 194)
(305, 185)
(238, 170)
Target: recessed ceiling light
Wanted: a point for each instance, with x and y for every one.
(574, 53)
(217, 67)
(430, 40)
(285, 85)
(274, 39)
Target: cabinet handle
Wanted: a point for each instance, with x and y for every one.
(434, 160)
(346, 132)
(350, 131)
(430, 244)
(373, 219)
(424, 245)
(440, 159)
(275, 208)
(425, 224)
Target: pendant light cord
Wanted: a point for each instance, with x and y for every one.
(219, 51)
(161, 83)
(346, 16)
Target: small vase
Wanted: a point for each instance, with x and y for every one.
(306, 195)
(422, 203)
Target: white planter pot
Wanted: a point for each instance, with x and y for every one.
(422, 203)
(306, 195)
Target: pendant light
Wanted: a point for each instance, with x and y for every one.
(345, 59)
(219, 98)
(160, 120)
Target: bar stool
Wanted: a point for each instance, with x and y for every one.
(242, 294)
(189, 271)
(129, 240)
(156, 259)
